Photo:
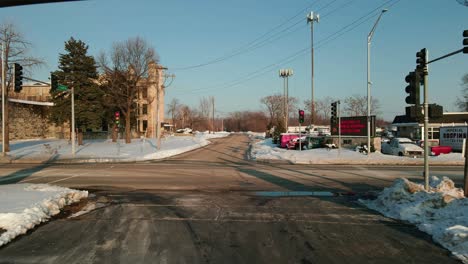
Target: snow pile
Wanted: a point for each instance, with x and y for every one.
(441, 212)
(208, 135)
(256, 135)
(266, 150)
(27, 205)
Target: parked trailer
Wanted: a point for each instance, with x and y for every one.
(453, 136)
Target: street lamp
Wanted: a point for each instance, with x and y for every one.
(311, 18)
(285, 73)
(369, 38)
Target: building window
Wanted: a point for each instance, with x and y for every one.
(145, 109)
(144, 93)
(434, 132)
(145, 125)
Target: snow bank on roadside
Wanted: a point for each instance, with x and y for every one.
(266, 150)
(24, 206)
(441, 212)
(107, 151)
(256, 135)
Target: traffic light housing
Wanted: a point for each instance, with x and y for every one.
(301, 116)
(465, 41)
(18, 69)
(117, 118)
(334, 115)
(53, 82)
(413, 80)
(421, 59)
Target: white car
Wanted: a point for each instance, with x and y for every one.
(402, 147)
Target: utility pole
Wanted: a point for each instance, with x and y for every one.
(3, 100)
(73, 118)
(212, 113)
(311, 18)
(339, 126)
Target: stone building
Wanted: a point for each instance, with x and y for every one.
(148, 103)
(29, 109)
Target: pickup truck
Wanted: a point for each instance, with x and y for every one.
(402, 147)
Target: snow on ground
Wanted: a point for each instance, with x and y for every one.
(256, 135)
(266, 150)
(106, 150)
(24, 206)
(441, 212)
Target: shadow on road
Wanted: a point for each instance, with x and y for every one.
(20, 175)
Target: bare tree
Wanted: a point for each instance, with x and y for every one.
(126, 74)
(462, 102)
(274, 106)
(324, 107)
(16, 50)
(356, 105)
(246, 121)
(186, 116)
(204, 111)
(173, 111)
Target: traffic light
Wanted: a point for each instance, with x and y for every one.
(413, 80)
(53, 82)
(465, 41)
(334, 115)
(421, 59)
(117, 118)
(436, 111)
(18, 69)
(301, 116)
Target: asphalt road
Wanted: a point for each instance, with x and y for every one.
(203, 207)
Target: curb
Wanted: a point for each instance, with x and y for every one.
(271, 161)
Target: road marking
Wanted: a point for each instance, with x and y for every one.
(64, 179)
(35, 176)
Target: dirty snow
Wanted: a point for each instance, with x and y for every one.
(24, 206)
(441, 212)
(266, 150)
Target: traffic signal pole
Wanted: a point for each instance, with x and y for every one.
(426, 132)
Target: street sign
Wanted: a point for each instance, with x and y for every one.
(62, 88)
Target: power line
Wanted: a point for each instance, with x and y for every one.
(306, 50)
(253, 45)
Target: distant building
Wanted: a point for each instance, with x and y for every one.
(414, 129)
(147, 102)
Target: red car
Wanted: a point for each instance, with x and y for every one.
(436, 150)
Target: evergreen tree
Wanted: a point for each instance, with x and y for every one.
(78, 70)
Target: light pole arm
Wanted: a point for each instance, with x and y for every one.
(371, 33)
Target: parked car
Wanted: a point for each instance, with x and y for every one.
(402, 147)
(435, 148)
(310, 142)
(286, 137)
(294, 143)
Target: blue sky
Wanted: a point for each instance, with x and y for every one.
(187, 33)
